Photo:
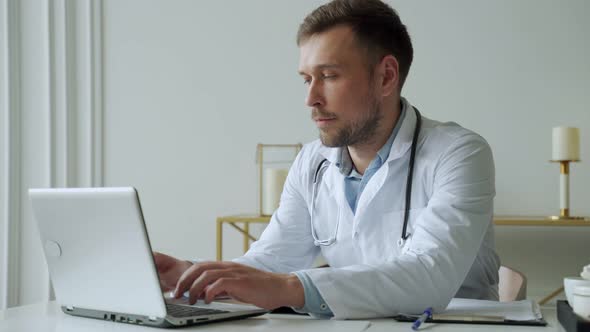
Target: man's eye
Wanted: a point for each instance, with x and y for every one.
(306, 81)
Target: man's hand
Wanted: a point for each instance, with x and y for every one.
(169, 269)
(243, 283)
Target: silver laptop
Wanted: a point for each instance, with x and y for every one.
(101, 264)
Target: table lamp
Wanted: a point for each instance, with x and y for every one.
(566, 149)
(272, 175)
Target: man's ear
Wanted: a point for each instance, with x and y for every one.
(389, 70)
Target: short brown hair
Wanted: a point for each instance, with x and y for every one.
(376, 25)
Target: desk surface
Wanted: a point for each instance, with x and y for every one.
(48, 317)
(538, 221)
(499, 220)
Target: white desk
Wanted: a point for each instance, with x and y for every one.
(45, 317)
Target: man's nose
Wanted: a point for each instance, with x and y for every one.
(314, 95)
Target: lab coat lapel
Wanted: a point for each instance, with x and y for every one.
(335, 181)
(335, 185)
(371, 190)
(401, 145)
(403, 140)
(332, 177)
(331, 154)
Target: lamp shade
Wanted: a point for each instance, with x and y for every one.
(566, 144)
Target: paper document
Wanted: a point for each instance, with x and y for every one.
(524, 310)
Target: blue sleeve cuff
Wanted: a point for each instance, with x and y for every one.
(314, 302)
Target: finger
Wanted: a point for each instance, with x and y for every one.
(206, 278)
(165, 287)
(157, 258)
(162, 261)
(221, 286)
(193, 272)
(220, 296)
(188, 277)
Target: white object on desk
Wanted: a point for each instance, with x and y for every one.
(566, 144)
(570, 284)
(274, 180)
(581, 303)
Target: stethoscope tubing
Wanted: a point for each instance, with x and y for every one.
(408, 199)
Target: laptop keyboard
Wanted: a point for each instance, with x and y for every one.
(177, 310)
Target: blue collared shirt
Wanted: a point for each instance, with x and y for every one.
(354, 184)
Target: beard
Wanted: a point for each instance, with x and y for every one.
(359, 131)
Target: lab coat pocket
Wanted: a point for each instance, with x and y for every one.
(413, 219)
(392, 230)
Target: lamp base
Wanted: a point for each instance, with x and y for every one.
(567, 218)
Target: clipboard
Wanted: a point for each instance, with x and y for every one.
(471, 320)
(469, 311)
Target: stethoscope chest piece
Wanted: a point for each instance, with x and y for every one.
(401, 242)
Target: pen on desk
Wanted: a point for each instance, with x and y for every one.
(427, 313)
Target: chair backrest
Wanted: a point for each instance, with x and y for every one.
(512, 284)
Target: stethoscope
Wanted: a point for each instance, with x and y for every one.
(323, 165)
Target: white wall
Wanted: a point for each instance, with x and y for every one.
(190, 88)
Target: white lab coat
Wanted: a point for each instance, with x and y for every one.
(450, 252)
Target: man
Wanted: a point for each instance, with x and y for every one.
(345, 195)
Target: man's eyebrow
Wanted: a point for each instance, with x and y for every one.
(322, 67)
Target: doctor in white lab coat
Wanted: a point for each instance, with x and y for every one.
(450, 249)
(354, 92)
